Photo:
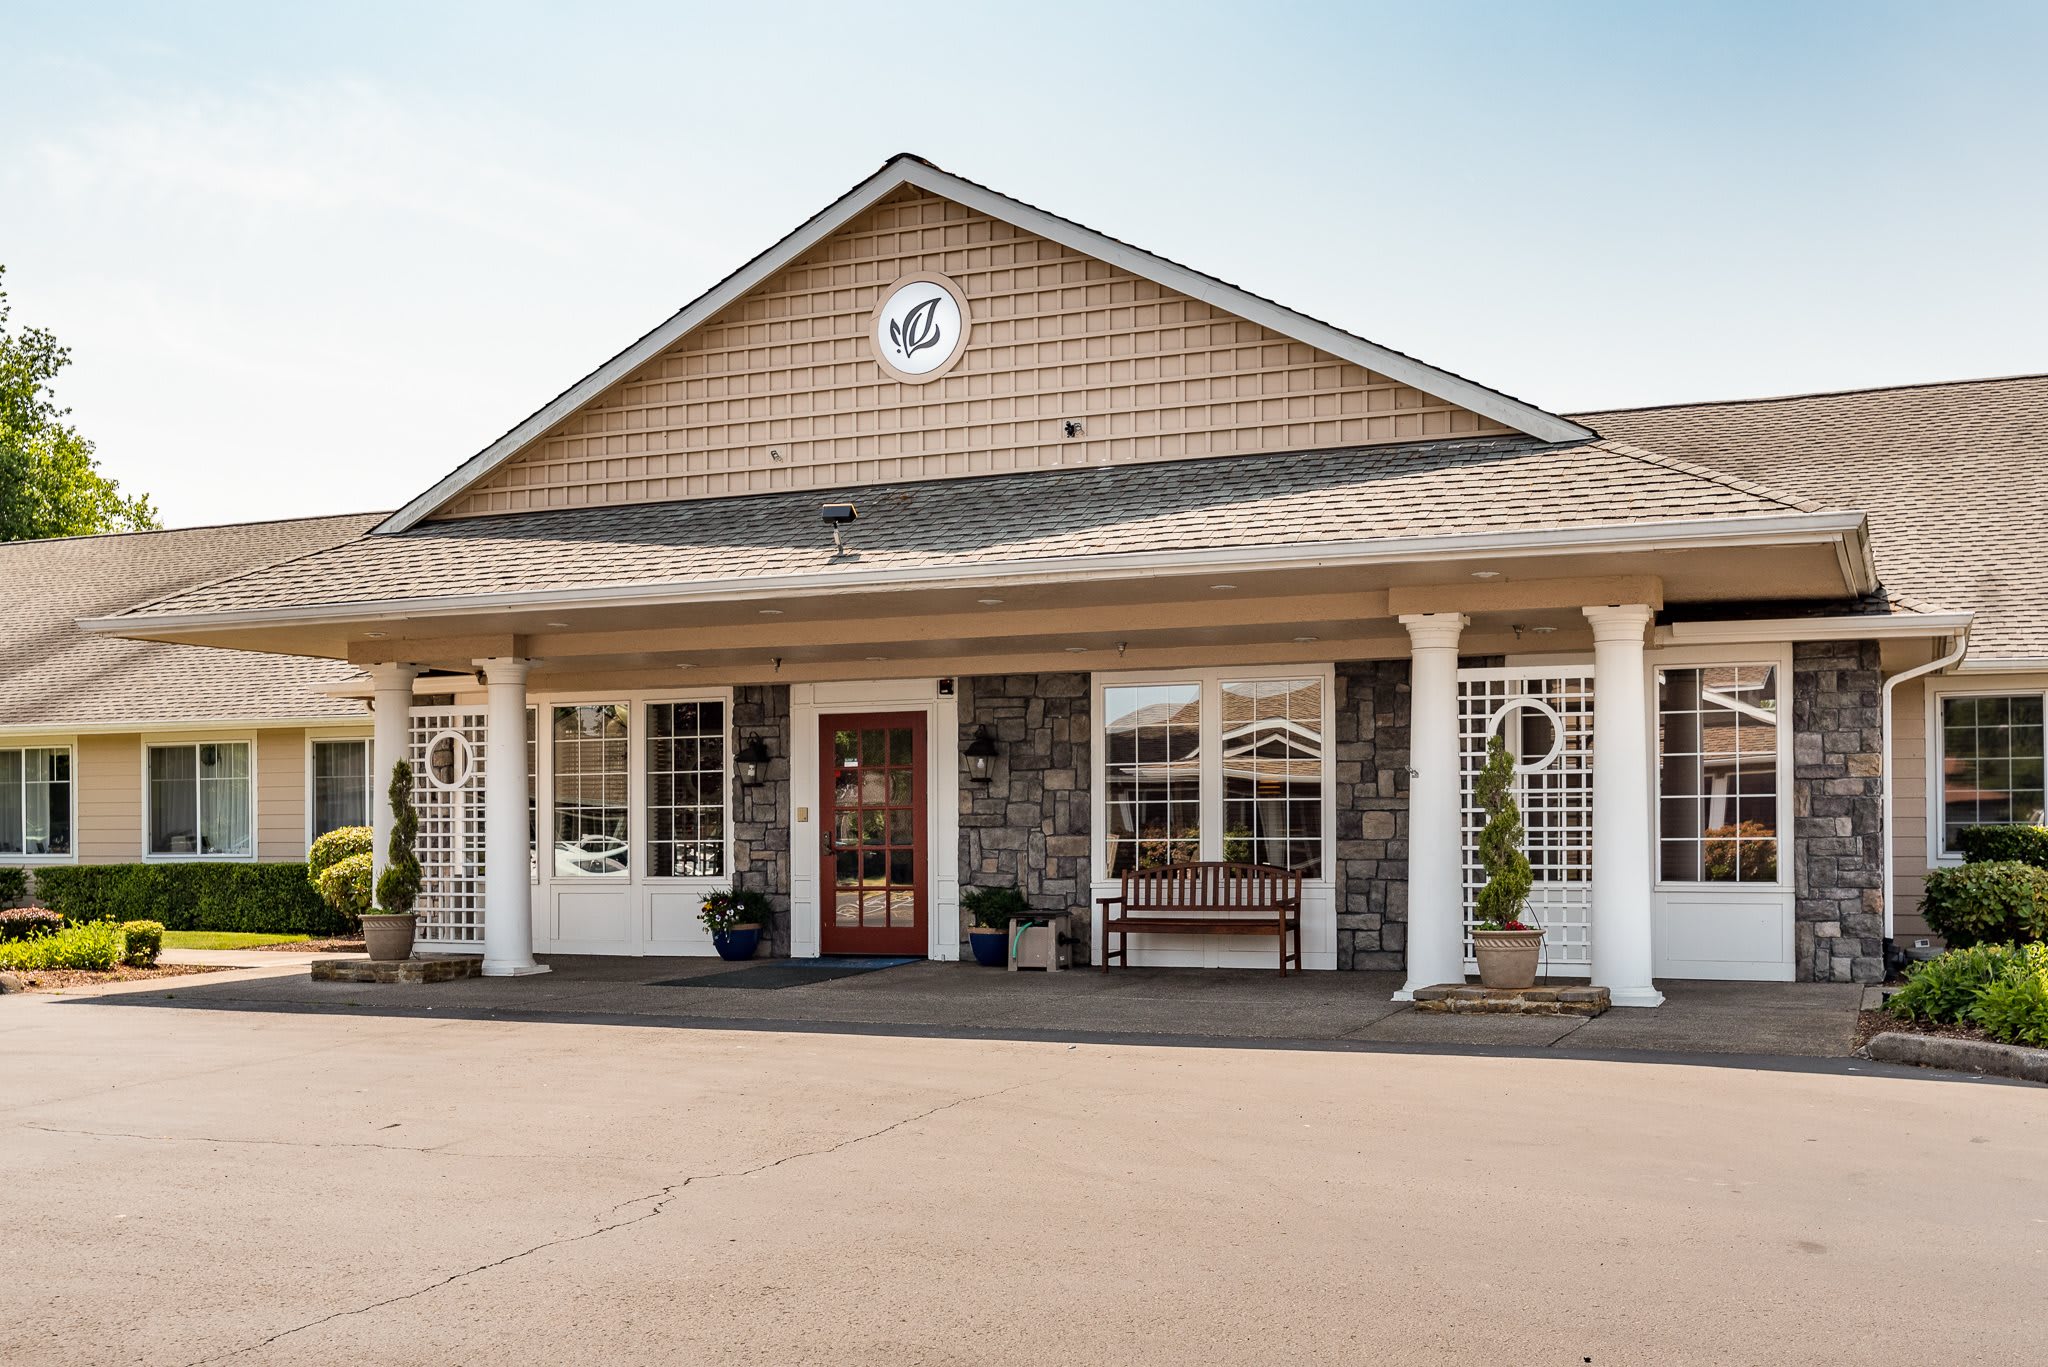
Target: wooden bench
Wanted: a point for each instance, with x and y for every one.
(1204, 899)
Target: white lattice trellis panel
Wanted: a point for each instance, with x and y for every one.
(448, 789)
(1546, 717)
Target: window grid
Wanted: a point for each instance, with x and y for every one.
(1717, 774)
(591, 816)
(686, 790)
(1152, 768)
(1991, 763)
(1273, 773)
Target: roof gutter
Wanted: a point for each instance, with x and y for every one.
(1773, 530)
(1815, 628)
(1884, 758)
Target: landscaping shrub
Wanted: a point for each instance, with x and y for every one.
(1987, 903)
(2015, 1010)
(96, 945)
(145, 940)
(338, 844)
(26, 923)
(1995, 844)
(992, 908)
(1943, 989)
(345, 886)
(266, 898)
(13, 886)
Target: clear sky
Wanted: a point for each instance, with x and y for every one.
(309, 259)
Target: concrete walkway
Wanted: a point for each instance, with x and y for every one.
(249, 958)
(1328, 1010)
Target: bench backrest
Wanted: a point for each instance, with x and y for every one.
(1211, 887)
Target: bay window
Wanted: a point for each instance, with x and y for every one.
(1214, 767)
(1990, 763)
(202, 801)
(341, 785)
(35, 802)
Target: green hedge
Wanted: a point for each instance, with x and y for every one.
(265, 898)
(13, 886)
(1988, 844)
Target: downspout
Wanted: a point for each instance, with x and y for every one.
(1884, 761)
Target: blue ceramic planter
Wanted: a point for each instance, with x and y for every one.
(736, 944)
(991, 947)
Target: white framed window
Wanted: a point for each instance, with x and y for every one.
(338, 783)
(37, 803)
(1230, 764)
(199, 799)
(589, 751)
(688, 786)
(1987, 767)
(1722, 771)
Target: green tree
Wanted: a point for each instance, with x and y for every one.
(398, 887)
(1508, 875)
(50, 485)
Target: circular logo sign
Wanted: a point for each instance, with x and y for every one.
(920, 327)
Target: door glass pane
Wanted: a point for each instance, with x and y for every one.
(591, 831)
(1272, 754)
(686, 790)
(1717, 774)
(1152, 774)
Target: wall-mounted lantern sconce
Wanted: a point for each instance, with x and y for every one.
(753, 758)
(981, 755)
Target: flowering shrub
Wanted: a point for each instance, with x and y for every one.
(25, 923)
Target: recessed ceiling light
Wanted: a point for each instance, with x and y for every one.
(1303, 640)
(686, 665)
(988, 602)
(874, 659)
(1220, 588)
(375, 635)
(771, 612)
(555, 624)
(1077, 650)
(1486, 574)
(1543, 631)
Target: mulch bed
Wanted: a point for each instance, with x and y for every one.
(1870, 1024)
(343, 946)
(60, 979)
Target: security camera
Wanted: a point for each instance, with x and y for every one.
(838, 514)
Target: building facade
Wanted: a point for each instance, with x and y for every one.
(950, 543)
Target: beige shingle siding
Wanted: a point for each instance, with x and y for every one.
(281, 794)
(1379, 493)
(54, 675)
(1954, 478)
(109, 798)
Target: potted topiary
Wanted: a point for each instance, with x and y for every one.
(1507, 947)
(990, 909)
(341, 869)
(388, 931)
(734, 916)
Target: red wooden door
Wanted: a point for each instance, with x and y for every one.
(872, 776)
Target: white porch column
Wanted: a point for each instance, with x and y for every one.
(508, 889)
(391, 713)
(1436, 898)
(1622, 806)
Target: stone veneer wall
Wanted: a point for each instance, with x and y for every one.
(760, 812)
(1371, 753)
(1028, 826)
(1837, 740)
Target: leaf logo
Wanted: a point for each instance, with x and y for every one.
(918, 330)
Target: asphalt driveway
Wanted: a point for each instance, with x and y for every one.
(317, 1187)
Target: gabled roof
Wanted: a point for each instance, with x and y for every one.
(1380, 498)
(55, 676)
(1954, 478)
(907, 169)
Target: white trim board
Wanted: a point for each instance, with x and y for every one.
(906, 169)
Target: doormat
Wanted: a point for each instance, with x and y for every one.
(781, 973)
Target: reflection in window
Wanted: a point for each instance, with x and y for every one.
(590, 806)
(1152, 774)
(686, 790)
(1990, 763)
(1717, 774)
(200, 801)
(35, 801)
(341, 785)
(1273, 774)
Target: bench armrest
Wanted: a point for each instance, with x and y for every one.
(1106, 902)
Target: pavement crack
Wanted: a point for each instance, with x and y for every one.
(656, 1202)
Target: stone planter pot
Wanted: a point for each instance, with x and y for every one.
(991, 946)
(389, 938)
(1507, 958)
(736, 942)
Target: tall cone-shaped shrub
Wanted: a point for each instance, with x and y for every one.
(1508, 876)
(399, 885)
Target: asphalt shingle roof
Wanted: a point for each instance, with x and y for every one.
(53, 674)
(1389, 493)
(1953, 477)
